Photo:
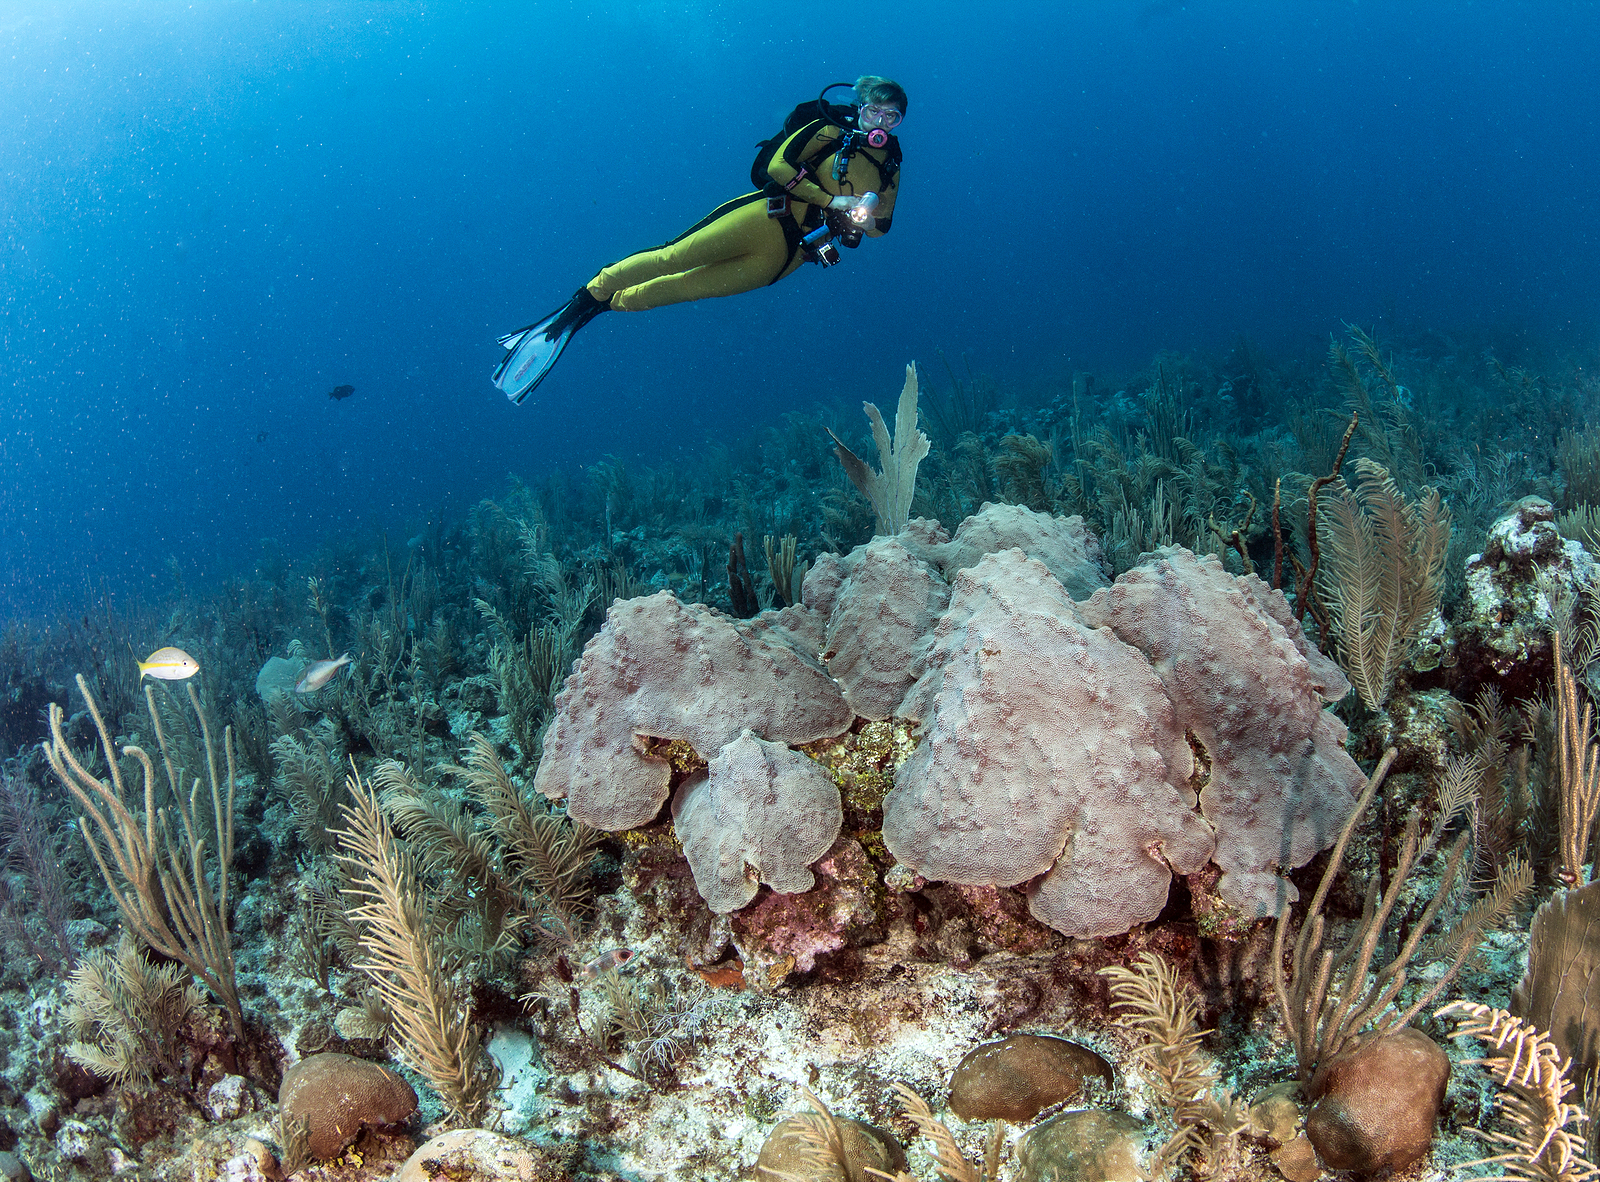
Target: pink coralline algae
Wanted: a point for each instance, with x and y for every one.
(792, 931)
(1084, 750)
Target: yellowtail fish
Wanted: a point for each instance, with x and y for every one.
(614, 959)
(168, 664)
(319, 673)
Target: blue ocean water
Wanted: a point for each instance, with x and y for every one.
(212, 215)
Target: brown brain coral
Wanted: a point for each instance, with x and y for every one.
(339, 1095)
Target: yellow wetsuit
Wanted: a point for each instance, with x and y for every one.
(737, 247)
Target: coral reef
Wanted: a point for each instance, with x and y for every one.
(1062, 744)
(869, 807)
(1249, 690)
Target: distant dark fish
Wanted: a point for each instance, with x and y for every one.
(261, 436)
(340, 393)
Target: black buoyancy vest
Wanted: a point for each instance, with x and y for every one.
(832, 113)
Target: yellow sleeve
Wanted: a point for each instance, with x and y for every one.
(885, 211)
(786, 162)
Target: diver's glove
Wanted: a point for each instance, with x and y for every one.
(532, 352)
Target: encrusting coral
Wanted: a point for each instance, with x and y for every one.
(1058, 739)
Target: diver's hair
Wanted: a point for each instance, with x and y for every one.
(882, 91)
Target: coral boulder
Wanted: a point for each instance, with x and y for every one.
(1082, 742)
(1374, 1104)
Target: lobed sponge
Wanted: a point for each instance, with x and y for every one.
(724, 819)
(1247, 689)
(1049, 749)
(1084, 749)
(669, 670)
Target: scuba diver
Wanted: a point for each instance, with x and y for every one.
(826, 180)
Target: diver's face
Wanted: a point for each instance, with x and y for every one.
(872, 115)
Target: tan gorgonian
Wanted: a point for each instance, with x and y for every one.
(126, 1013)
(1577, 768)
(1383, 576)
(820, 1143)
(1533, 1097)
(1582, 525)
(891, 489)
(1208, 1122)
(1330, 997)
(948, 1160)
(544, 852)
(164, 885)
(432, 1031)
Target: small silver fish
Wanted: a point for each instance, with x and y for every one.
(168, 664)
(319, 673)
(614, 959)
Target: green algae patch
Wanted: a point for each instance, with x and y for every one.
(862, 762)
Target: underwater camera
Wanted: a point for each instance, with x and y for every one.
(819, 246)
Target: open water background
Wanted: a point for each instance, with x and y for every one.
(212, 214)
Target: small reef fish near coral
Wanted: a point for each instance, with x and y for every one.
(319, 673)
(169, 664)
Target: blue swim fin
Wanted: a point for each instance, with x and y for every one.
(532, 352)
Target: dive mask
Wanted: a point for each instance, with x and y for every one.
(878, 122)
